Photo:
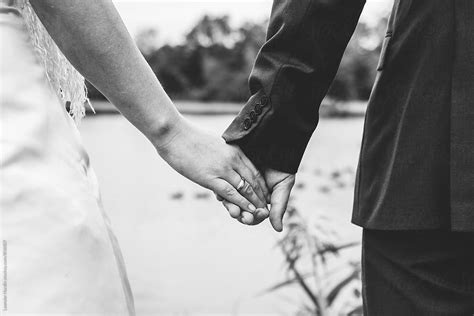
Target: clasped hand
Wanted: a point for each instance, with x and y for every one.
(208, 161)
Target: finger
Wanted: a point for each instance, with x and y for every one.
(218, 197)
(260, 215)
(252, 221)
(258, 177)
(233, 209)
(253, 179)
(279, 202)
(228, 192)
(248, 191)
(247, 218)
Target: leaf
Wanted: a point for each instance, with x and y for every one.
(300, 279)
(343, 283)
(357, 293)
(336, 249)
(283, 284)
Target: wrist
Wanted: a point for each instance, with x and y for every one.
(164, 129)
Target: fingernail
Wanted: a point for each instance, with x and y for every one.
(247, 218)
(252, 207)
(262, 212)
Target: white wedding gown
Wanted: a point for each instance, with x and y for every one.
(60, 254)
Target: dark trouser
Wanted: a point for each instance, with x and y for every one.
(417, 273)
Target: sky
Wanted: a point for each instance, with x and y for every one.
(173, 18)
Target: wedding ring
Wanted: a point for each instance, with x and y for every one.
(241, 184)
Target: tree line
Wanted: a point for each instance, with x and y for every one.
(215, 59)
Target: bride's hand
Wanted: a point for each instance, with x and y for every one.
(210, 162)
(107, 57)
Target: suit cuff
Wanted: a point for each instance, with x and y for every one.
(265, 137)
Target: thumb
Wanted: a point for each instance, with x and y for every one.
(279, 202)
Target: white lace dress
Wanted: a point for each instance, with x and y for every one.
(60, 254)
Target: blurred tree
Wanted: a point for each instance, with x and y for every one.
(147, 41)
(227, 61)
(211, 31)
(214, 62)
(216, 58)
(357, 71)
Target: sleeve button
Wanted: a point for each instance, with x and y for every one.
(253, 116)
(258, 109)
(264, 100)
(247, 123)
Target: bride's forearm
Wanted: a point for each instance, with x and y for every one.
(92, 36)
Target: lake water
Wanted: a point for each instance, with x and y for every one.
(184, 254)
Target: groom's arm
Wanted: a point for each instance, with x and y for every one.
(292, 73)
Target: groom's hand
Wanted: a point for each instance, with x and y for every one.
(280, 184)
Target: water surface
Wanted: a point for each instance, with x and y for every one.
(183, 252)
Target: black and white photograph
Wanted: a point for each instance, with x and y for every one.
(237, 157)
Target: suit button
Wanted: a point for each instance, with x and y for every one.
(253, 116)
(247, 123)
(258, 109)
(264, 100)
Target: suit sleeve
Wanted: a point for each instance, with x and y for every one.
(292, 73)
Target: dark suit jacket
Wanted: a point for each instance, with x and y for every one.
(416, 167)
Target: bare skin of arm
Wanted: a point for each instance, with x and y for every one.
(93, 37)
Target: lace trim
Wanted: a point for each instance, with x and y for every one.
(66, 81)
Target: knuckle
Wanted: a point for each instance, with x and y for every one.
(248, 189)
(256, 183)
(224, 170)
(254, 179)
(228, 190)
(257, 175)
(231, 156)
(243, 202)
(228, 156)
